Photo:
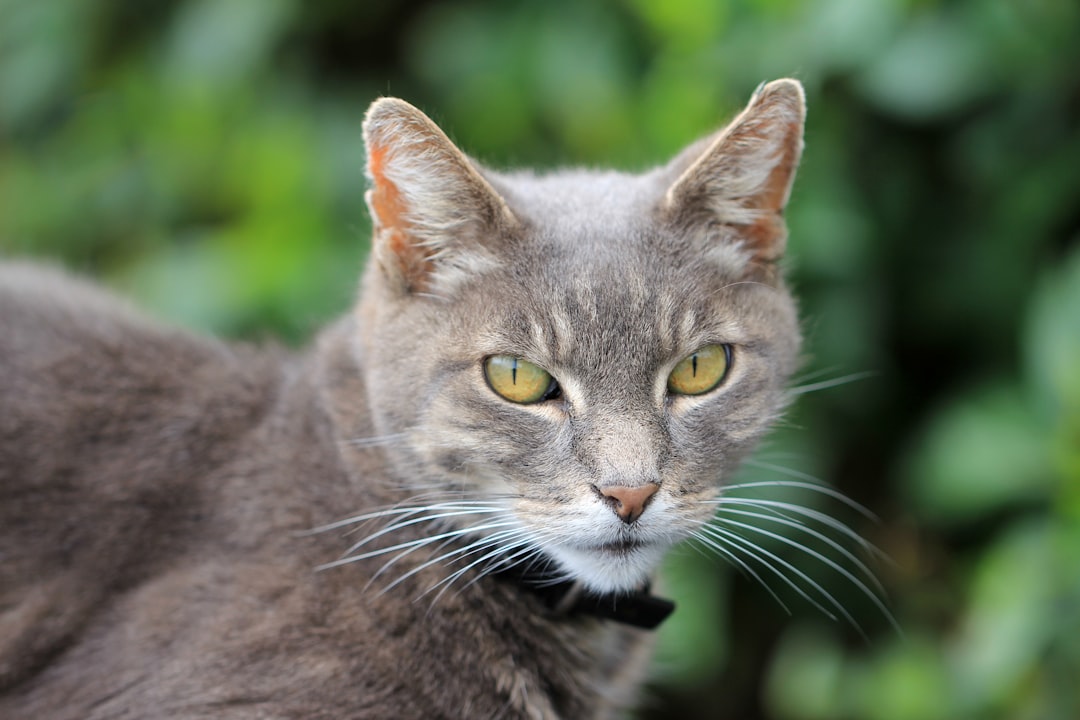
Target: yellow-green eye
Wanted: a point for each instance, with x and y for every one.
(519, 380)
(701, 372)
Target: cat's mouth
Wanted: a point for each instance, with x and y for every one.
(615, 562)
(620, 547)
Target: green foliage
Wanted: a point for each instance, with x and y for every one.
(204, 156)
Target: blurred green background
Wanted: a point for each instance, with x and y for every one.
(205, 157)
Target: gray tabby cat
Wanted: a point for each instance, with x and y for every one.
(545, 384)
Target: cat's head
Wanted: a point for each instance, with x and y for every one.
(582, 358)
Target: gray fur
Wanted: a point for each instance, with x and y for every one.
(156, 488)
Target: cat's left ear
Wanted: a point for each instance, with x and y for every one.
(741, 178)
(434, 214)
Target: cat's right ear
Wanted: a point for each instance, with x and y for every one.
(432, 210)
(736, 183)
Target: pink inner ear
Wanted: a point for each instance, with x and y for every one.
(743, 178)
(774, 195)
(393, 231)
(766, 235)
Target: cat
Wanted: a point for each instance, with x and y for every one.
(544, 385)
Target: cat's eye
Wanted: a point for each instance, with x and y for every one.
(519, 381)
(701, 372)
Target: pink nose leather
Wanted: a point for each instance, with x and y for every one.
(629, 502)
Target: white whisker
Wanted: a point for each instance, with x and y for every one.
(401, 546)
(824, 559)
(718, 546)
(802, 527)
(499, 552)
(812, 374)
(825, 384)
(376, 440)
(756, 551)
(395, 526)
(808, 482)
(782, 509)
(473, 547)
(447, 541)
(403, 510)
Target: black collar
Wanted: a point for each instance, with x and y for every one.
(638, 608)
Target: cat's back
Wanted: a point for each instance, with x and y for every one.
(87, 379)
(53, 321)
(109, 423)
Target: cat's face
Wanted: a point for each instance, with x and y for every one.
(578, 361)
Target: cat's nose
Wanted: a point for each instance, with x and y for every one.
(628, 502)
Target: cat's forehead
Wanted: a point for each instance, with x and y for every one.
(596, 274)
(611, 307)
(591, 226)
(582, 205)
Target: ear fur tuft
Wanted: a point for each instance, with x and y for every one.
(429, 204)
(743, 178)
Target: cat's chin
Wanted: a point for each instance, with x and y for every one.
(611, 567)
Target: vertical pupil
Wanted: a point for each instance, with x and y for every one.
(693, 364)
(513, 373)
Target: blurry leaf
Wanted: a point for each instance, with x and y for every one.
(41, 50)
(846, 34)
(806, 679)
(1011, 618)
(691, 647)
(224, 41)
(813, 678)
(906, 681)
(1052, 343)
(678, 103)
(937, 66)
(479, 57)
(843, 333)
(981, 453)
(830, 238)
(581, 80)
(193, 285)
(685, 23)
